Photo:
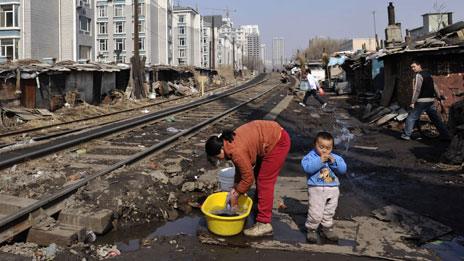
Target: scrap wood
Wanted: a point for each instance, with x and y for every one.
(365, 147)
(386, 118)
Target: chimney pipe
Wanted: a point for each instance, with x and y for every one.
(450, 18)
(391, 14)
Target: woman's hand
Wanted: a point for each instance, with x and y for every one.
(233, 197)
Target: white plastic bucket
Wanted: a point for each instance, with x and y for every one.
(226, 178)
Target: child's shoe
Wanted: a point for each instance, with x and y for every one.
(311, 236)
(329, 234)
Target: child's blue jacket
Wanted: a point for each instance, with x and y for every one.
(312, 166)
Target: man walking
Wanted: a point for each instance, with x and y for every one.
(313, 88)
(424, 94)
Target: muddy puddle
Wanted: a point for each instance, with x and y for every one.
(133, 238)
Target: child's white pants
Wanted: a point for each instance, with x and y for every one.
(323, 202)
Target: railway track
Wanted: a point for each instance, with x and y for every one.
(56, 141)
(109, 148)
(63, 128)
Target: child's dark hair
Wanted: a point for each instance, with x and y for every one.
(325, 136)
(215, 143)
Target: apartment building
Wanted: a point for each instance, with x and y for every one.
(186, 36)
(208, 24)
(10, 29)
(59, 29)
(115, 30)
(278, 55)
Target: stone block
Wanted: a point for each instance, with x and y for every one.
(62, 235)
(99, 222)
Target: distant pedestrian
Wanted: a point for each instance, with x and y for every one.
(313, 89)
(424, 94)
(258, 148)
(321, 167)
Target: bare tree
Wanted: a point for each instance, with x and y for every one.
(317, 45)
(439, 8)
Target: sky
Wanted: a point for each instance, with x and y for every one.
(300, 20)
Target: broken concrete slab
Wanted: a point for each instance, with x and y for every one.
(99, 221)
(376, 238)
(158, 176)
(172, 166)
(176, 180)
(419, 228)
(62, 235)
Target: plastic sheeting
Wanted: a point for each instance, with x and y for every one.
(336, 60)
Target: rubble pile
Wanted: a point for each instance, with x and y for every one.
(32, 250)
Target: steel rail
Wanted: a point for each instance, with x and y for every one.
(11, 133)
(121, 125)
(23, 213)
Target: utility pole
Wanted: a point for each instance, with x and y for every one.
(213, 53)
(138, 66)
(233, 53)
(375, 32)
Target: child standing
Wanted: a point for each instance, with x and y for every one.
(321, 165)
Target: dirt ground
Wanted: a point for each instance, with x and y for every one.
(382, 171)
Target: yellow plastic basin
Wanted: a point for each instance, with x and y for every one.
(225, 226)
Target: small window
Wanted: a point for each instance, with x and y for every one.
(9, 16)
(120, 44)
(119, 27)
(182, 30)
(102, 11)
(119, 10)
(141, 9)
(182, 41)
(8, 48)
(103, 45)
(85, 24)
(141, 26)
(102, 28)
(181, 18)
(182, 53)
(142, 44)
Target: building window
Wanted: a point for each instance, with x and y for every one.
(181, 18)
(9, 16)
(102, 28)
(121, 59)
(182, 53)
(85, 52)
(182, 30)
(86, 2)
(119, 27)
(142, 44)
(118, 10)
(120, 44)
(182, 41)
(103, 45)
(141, 9)
(9, 48)
(84, 24)
(102, 11)
(141, 26)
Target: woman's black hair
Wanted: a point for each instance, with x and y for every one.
(325, 136)
(214, 144)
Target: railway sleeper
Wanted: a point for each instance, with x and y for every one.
(71, 225)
